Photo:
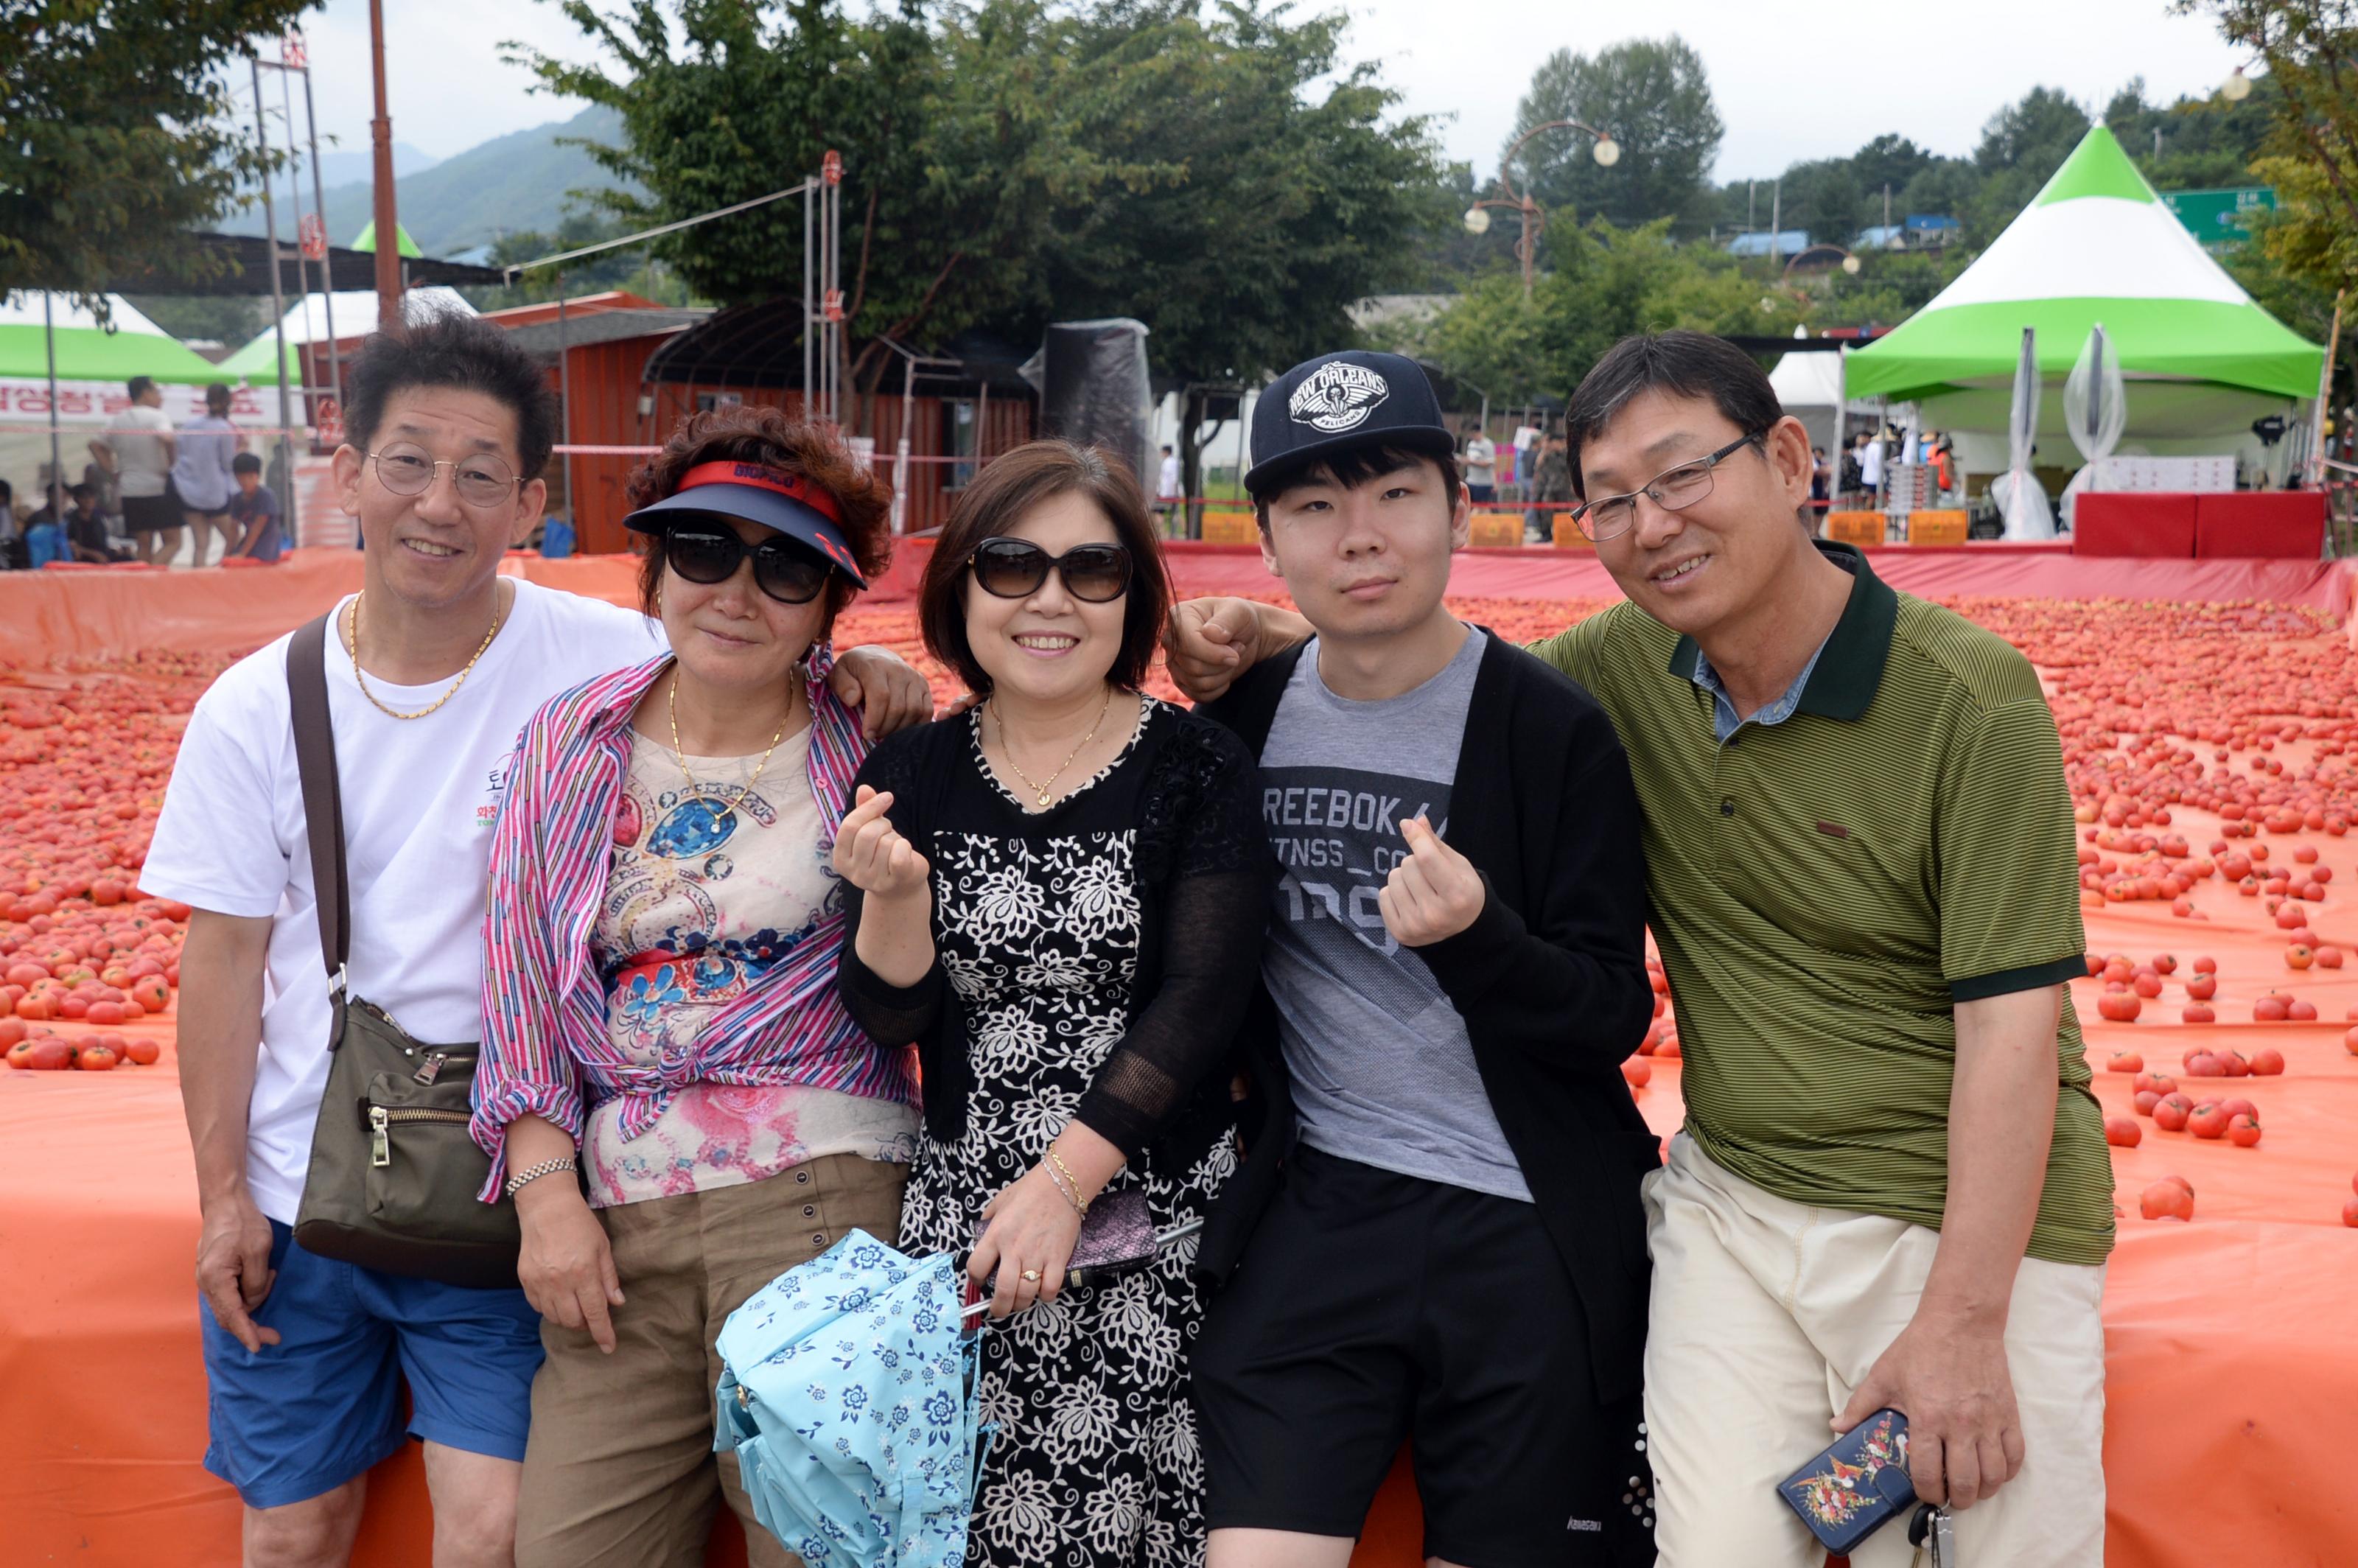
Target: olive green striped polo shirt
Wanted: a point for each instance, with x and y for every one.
(1826, 888)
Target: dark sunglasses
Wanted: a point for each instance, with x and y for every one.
(1014, 568)
(784, 570)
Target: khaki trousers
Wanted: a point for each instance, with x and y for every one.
(1767, 1313)
(619, 1468)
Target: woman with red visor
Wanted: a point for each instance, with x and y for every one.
(669, 1084)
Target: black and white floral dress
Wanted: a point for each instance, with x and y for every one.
(1093, 963)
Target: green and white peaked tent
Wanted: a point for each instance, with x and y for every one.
(403, 244)
(129, 345)
(2202, 359)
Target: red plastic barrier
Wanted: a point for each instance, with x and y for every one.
(2289, 524)
(2128, 524)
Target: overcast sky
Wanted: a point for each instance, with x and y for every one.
(1792, 80)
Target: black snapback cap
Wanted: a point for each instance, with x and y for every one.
(1355, 398)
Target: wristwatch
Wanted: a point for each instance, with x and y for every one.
(530, 1174)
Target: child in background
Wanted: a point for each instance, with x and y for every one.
(253, 511)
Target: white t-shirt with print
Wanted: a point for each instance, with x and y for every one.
(1481, 459)
(419, 798)
(139, 455)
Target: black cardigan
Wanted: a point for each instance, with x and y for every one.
(1204, 871)
(1549, 978)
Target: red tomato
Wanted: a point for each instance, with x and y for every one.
(2119, 1007)
(20, 1054)
(2349, 1213)
(143, 1052)
(2300, 956)
(2123, 1131)
(2209, 1119)
(2206, 966)
(2202, 987)
(2244, 1131)
(2164, 963)
(1637, 1072)
(2170, 1113)
(2298, 1012)
(2272, 1010)
(2267, 1062)
(52, 1055)
(2167, 1200)
(2328, 958)
(2125, 1062)
(2197, 1013)
(95, 1059)
(2146, 1101)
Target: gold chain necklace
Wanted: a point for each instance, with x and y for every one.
(1041, 798)
(396, 713)
(728, 810)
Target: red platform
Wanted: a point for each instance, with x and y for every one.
(2126, 524)
(2288, 525)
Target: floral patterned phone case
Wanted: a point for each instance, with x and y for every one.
(1858, 1485)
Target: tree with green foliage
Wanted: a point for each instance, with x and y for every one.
(1653, 97)
(1211, 169)
(116, 137)
(1300, 196)
(2310, 49)
(2022, 146)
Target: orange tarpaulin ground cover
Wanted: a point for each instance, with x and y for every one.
(2234, 1378)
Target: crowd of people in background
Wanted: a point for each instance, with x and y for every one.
(144, 484)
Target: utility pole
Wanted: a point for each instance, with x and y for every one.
(1776, 222)
(389, 223)
(327, 267)
(286, 475)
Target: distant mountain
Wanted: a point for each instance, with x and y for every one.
(512, 182)
(348, 166)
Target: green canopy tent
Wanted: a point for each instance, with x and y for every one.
(2096, 245)
(49, 410)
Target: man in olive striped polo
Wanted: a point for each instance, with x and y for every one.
(1892, 1187)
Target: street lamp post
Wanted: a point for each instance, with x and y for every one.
(1608, 153)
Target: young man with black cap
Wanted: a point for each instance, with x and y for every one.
(1438, 1237)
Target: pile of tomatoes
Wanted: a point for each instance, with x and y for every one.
(85, 752)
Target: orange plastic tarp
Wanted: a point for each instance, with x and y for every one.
(103, 612)
(2233, 1405)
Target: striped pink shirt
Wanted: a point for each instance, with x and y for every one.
(544, 1040)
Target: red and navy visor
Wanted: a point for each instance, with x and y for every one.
(758, 493)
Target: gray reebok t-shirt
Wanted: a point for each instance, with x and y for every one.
(1382, 1071)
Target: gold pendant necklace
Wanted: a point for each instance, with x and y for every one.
(727, 810)
(396, 713)
(1041, 798)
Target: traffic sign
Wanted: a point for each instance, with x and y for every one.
(831, 167)
(2220, 219)
(292, 51)
(312, 234)
(834, 308)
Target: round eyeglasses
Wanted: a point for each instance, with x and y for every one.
(1674, 489)
(481, 479)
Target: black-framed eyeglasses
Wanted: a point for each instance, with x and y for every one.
(1014, 568)
(1672, 490)
(481, 479)
(787, 571)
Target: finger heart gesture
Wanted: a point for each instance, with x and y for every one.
(1433, 893)
(872, 855)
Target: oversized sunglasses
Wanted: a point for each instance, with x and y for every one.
(784, 570)
(1014, 568)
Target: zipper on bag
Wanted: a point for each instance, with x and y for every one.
(381, 1117)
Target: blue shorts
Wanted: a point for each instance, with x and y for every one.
(305, 1415)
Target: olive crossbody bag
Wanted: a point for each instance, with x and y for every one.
(394, 1174)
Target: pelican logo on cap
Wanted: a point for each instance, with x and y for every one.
(1337, 397)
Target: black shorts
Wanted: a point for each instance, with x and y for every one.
(151, 513)
(1372, 1308)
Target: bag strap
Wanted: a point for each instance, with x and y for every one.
(323, 800)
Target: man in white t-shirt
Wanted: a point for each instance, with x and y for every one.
(1481, 468)
(434, 669)
(1167, 496)
(141, 436)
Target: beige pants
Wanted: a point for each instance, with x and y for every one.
(619, 1469)
(1767, 1313)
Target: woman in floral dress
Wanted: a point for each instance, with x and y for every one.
(1059, 896)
